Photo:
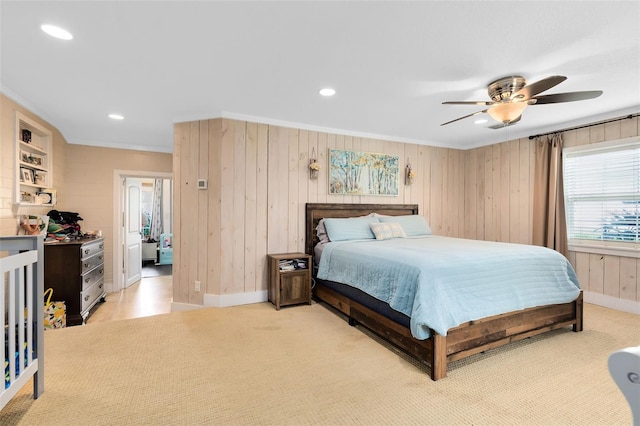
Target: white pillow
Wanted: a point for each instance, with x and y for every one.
(321, 230)
(387, 231)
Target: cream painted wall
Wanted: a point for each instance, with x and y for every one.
(90, 191)
(10, 212)
(82, 175)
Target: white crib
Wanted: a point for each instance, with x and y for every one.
(22, 266)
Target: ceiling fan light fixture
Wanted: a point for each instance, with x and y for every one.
(510, 96)
(507, 112)
(56, 32)
(327, 91)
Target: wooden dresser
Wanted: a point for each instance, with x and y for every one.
(75, 271)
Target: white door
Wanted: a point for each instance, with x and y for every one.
(132, 232)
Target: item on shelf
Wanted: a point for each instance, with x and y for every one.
(26, 175)
(286, 265)
(26, 197)
(292, 264)
(40, 177)
(26, 135)
(36, 160)
(44, 198)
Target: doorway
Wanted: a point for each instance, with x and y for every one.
(156, 219)
(124, 251)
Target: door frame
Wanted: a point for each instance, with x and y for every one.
(118, 220)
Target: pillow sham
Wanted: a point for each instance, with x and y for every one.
(321, 230)
(387, 231)
(353, 228)
(413, 225)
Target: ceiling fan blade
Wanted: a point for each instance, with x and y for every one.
(567, 97)
(463, 117)
(503, 125)
(533, 89)
(468, 103)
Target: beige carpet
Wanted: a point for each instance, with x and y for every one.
(305, 365)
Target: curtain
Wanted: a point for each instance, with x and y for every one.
(156, 211)
(549, 221)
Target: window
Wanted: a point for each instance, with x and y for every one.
(602, 194)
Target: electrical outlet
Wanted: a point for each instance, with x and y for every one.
(197, 285)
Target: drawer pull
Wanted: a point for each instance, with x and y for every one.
(86, 298)
(101, 246)
(87, 251)
(101, 271)
(86, 280)
(100, 286)
(86, 264)
(99, 257)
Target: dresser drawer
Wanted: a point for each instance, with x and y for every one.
(91, 262)
(90, 295)
(92, 277)
(91, 249)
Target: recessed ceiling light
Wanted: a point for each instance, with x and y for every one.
(56, 32)
(327, 91)
(481, 121)
(116, 117)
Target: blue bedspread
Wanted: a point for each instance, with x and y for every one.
(442, 282)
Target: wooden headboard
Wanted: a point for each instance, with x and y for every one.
(317, 211)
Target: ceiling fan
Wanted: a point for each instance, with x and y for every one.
(512, 95)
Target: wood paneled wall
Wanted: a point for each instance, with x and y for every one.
(258, 184)
(614, 276)
(499, 192)
(499, 199)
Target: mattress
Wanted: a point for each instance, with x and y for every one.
(441, 282)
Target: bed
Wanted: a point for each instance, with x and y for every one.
(436, 349)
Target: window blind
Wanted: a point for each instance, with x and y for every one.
(602, 192)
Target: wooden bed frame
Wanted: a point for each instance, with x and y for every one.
(460, 342)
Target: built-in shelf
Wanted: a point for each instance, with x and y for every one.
(34, 164)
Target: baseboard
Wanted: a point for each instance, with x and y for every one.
(612, 302)
(176, 306)
(223, 300)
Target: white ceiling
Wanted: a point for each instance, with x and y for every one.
(392, 63)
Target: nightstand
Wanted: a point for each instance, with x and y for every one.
(289, 279)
